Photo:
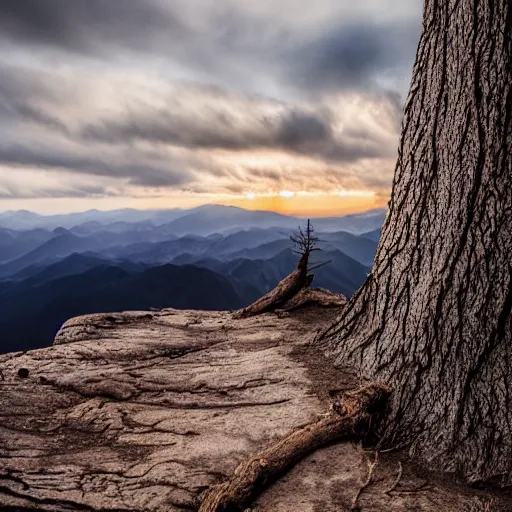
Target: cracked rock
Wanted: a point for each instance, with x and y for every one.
(138, 411)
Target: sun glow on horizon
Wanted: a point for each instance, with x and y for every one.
(300, 202)
(356, 193)
(310, 203)
(288, 194)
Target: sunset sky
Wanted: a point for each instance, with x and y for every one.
(285, 105)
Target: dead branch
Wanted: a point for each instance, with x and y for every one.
(275, 299)
(255, 474)
(319, 265)
(397, 480)
(319, 296)
(282, 293)
(304, 241)
(299, 280)
(371, 469)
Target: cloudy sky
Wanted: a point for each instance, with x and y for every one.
(288, 105)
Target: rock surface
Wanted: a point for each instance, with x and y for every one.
(144, 411)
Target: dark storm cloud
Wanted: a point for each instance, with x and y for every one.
(77, 191)
(30, 98)
(177, 130)
(312, 134)
(294, 130)
(354, 56)
(138, 173)
(86, 25)
(22, 93)
(20, 111)
(231, 45)
(41, 129)
(63, 104)
(216, 130)
(297, 128)
(113, 31)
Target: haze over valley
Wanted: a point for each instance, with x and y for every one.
(212, 257)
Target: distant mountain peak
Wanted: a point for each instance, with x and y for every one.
(60, 231)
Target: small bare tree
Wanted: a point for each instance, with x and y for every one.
(304, 243)
(295, 291)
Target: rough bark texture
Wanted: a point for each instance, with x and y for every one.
(434, 317)
(350, 420)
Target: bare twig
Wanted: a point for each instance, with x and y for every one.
(397, 481)
(319, 265)
(304, 241)
(367, 482)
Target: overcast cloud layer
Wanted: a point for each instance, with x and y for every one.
(144, 97)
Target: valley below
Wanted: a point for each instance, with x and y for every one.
(208, 258)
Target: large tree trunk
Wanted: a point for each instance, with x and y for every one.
(434, 317)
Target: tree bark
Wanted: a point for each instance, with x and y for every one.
(434, 317)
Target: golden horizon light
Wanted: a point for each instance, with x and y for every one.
(288, 202)
(311, 204)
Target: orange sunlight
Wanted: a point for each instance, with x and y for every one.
(309, 204)
(303, 204)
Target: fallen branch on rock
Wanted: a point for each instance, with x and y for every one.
(317, 296)
(346, 420)
(294, 292)
(282, 293)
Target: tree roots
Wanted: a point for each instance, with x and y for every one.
(347, 419)
(397, 480)
(367, 482)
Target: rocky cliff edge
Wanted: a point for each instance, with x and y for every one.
(144, 411)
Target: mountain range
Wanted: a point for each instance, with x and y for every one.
(212, 257)
(204, 219)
